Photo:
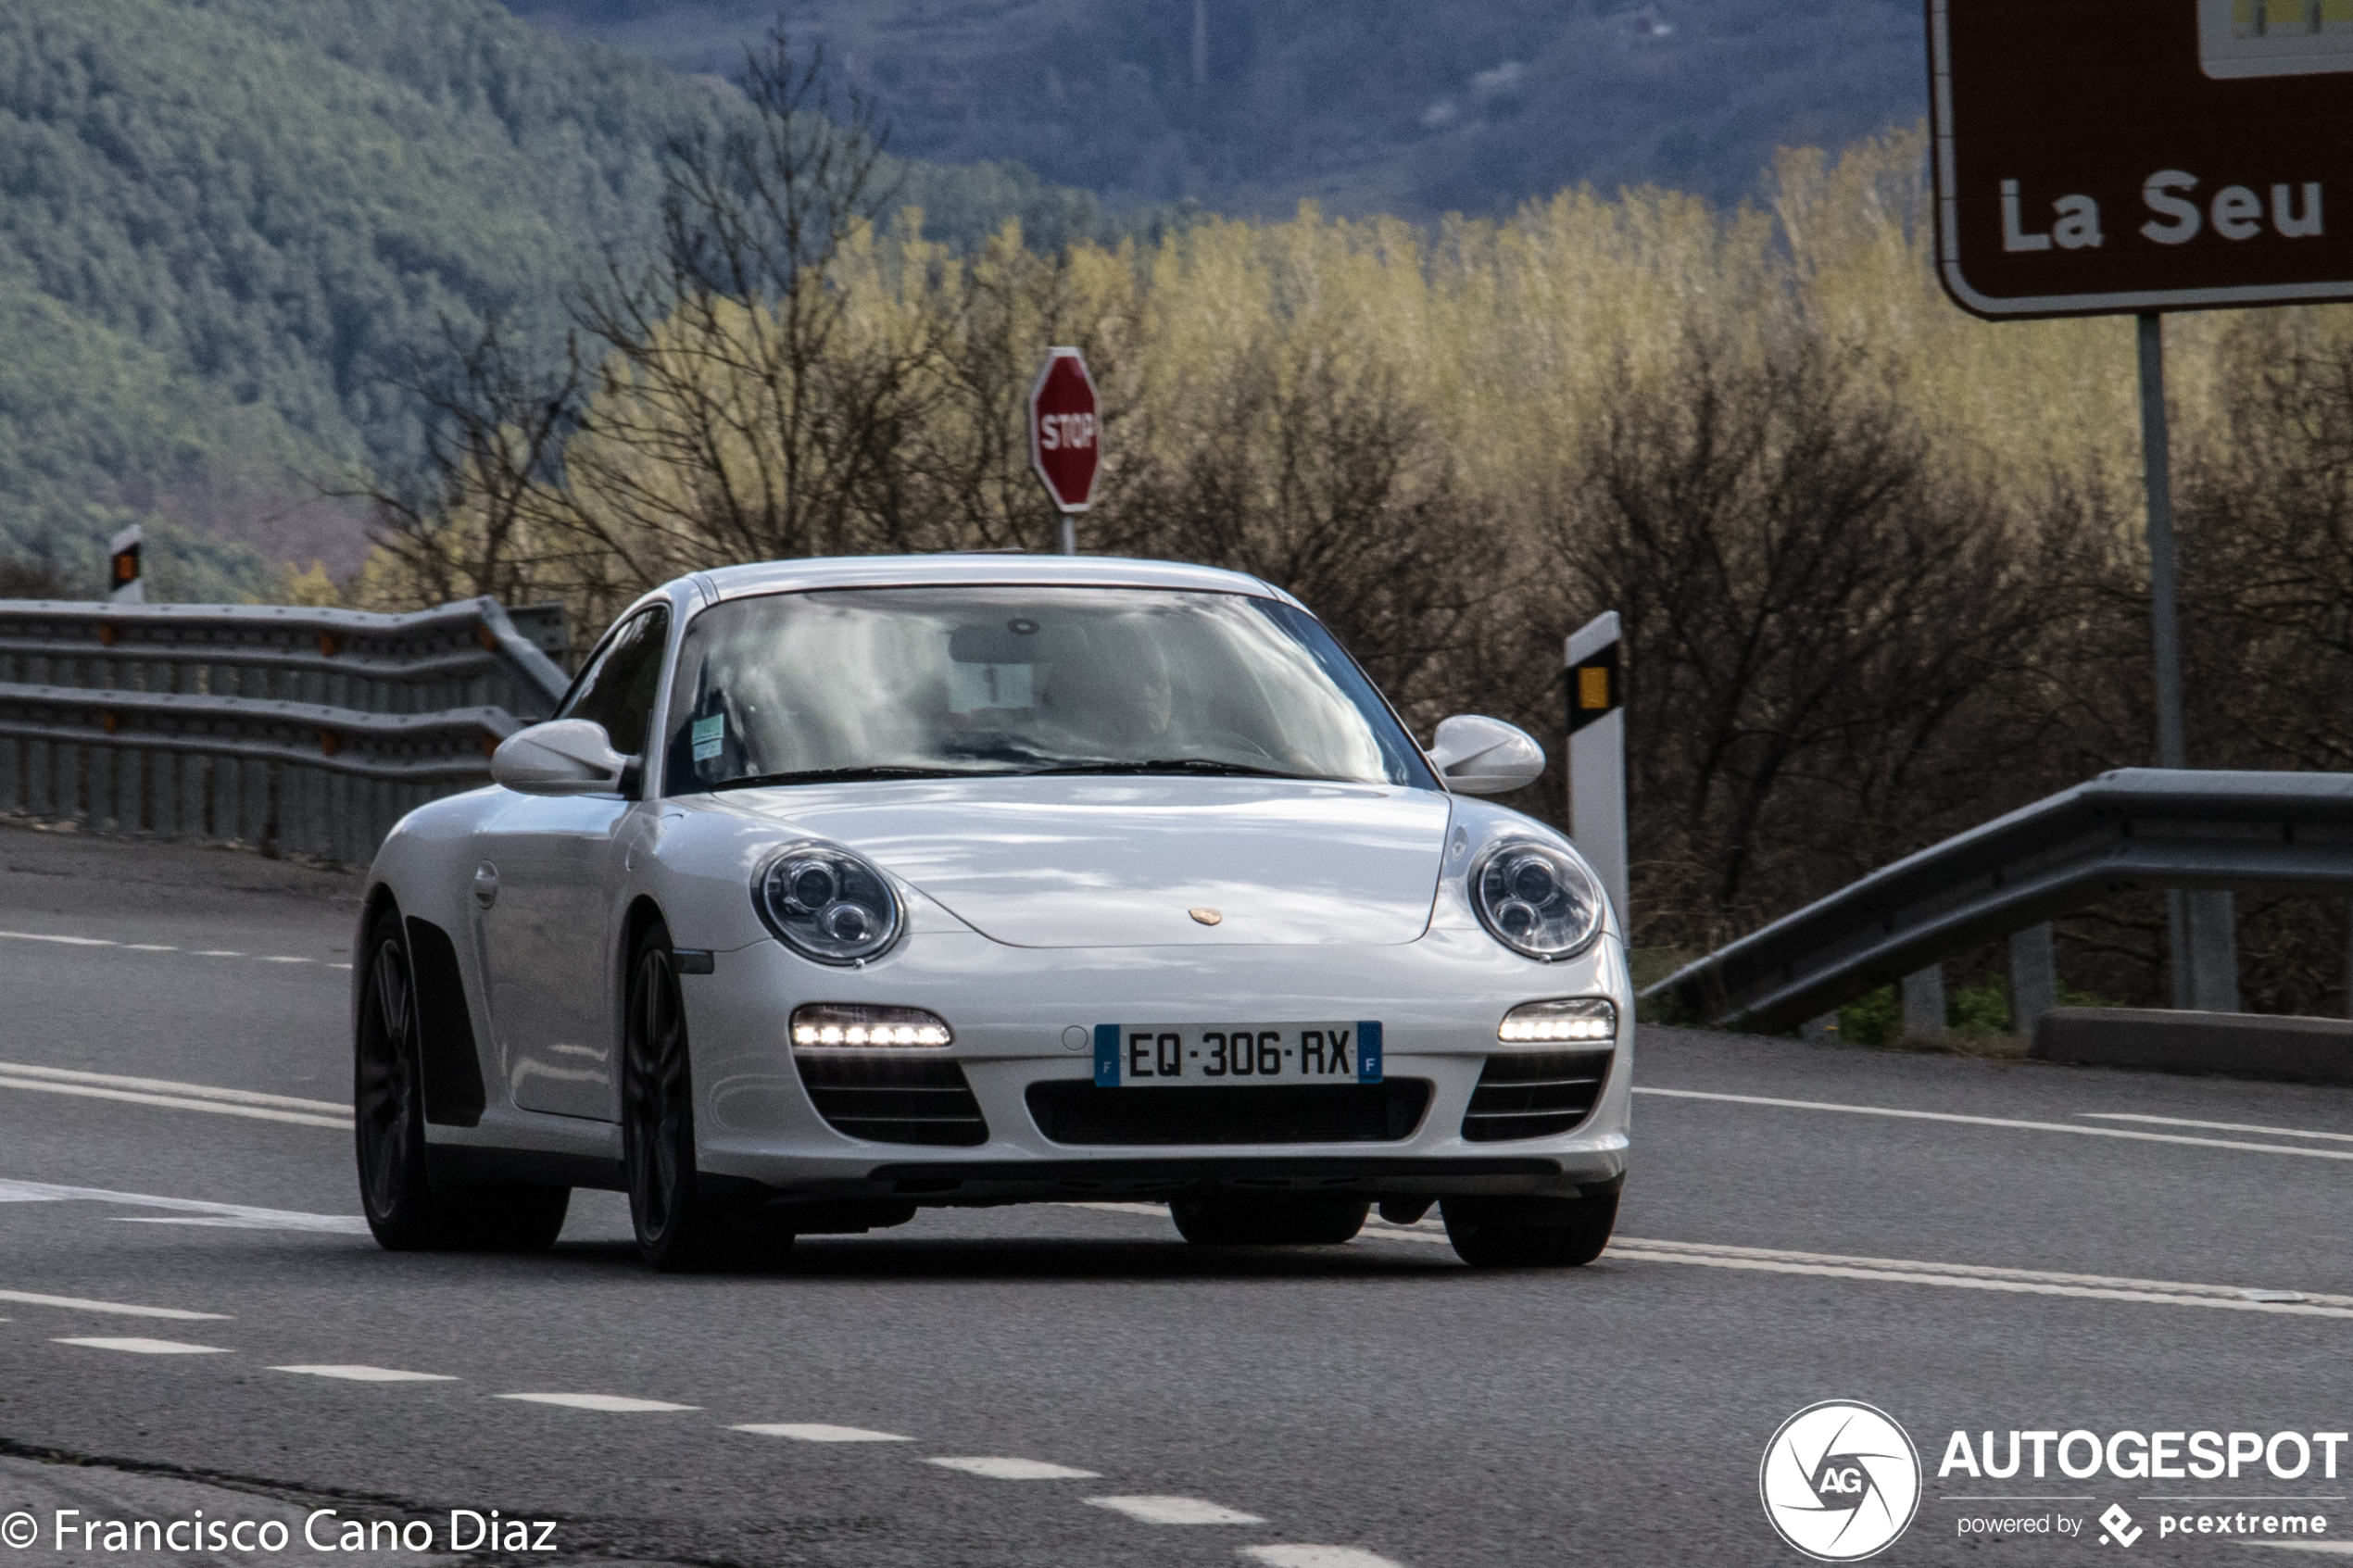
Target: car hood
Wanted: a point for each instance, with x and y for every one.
(1117, 863)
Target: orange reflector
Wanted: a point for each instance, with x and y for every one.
(1592, 686)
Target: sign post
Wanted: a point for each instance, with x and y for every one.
(123, 586)
(1597, 755)
(1066, 436)
(2115, 158)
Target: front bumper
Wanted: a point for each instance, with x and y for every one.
(1439, 1000)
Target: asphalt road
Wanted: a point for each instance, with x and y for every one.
(2048, 1250)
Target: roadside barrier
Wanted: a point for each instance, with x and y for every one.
(301, 731)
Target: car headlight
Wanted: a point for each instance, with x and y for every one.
(1574, 1018)
(826, 903)
(1536, 899)
(838, 1025)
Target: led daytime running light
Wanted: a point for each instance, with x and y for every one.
(1583, 1019)
(838, 1026)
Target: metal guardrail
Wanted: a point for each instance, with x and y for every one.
(2133, 829)
(304, 729)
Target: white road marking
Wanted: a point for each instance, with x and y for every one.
(167, 1086)
(817, 1431)
(1016, 1469)
(148, 1347)
(2331, 1549)
(215, 953)
(598, 1402)
(369, 1374)
(1175, 1511)
(281, 959)
(1160, 1210)
(1998, 1121)
(154, 947)
(1887, 1271)
(247, 1216)
(2213, 1127)
(149, 948)
(64, 941)
(1316, 1557)
(181, 1102)
(120, 1309)
(1975, 1271)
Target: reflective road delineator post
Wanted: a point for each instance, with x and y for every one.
(123, 585)
(1597, 752)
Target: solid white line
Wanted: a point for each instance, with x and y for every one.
(120, 1309)
(173, 1102)
(598, 1402)
(818, 1432)
(1175, 1511)
(248, 1216)
(166, 1085)
(1016, 1469)
(369, 1374)
(1977, 1271)
(1316, 1557)
(1963, 1282)
(148, 1347)
(2214, 1126)
(1998, 1121)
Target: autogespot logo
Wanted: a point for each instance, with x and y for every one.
(1841, 1481)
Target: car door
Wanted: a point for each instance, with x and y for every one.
(549, 867)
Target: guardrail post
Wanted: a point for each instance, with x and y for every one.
(2033, 978)
(1924, 1004)
(2214, 957)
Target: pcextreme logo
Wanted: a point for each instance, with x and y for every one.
(1841, 1481)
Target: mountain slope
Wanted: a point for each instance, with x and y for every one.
(1412, 107)
(225, 224)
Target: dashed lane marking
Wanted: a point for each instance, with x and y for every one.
(1316, 1557)
(598, 1402)
(237, 1216)
(1175, 1511)
(176, 1103)
(818, 1432)
(64, 941)
(120, 1308)
(369, 1374)
(148, 1347)
(2213, 1127)
(1016, 1469)
(167, 1086)
(1997, 1122)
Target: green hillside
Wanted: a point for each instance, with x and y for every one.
(225, 224)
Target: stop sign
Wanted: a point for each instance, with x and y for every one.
(1065, 443)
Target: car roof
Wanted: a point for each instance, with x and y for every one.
(1007, 569)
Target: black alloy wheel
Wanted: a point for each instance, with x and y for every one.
(1529, 1232)
(1272, 1219)
(388, 1127)
(678, 1228)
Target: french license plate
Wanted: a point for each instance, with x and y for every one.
(1139, 1056)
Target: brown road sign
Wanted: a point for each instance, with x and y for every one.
(2098, 157)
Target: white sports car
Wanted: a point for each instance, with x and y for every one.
(842, 888)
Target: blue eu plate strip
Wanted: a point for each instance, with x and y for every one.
(1367, 1050)
(1106, 1056)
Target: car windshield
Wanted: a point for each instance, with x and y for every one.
(934, 682)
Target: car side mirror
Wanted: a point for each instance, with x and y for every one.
(562, 757)
(1480, 756)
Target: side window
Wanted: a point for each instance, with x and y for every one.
(617, 689)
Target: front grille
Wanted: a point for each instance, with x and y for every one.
(1075, 1111)
(1535, 1094)
(894, 1099)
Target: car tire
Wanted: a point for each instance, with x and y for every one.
(404, 1210)
(1268, 1222)
(678, 1228)
(1529, 1232)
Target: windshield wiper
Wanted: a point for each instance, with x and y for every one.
(862, 775)
(1208, 765)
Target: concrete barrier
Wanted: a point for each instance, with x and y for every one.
(2228, 1045)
